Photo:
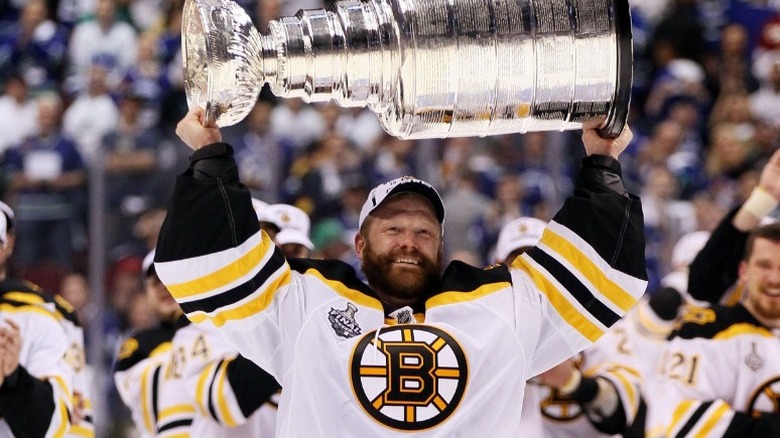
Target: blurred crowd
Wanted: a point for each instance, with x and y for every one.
(92, 89)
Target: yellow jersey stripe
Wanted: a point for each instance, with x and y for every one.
(611, 290)
(713, 420)
(682, 410)
(462, 297)
(346, 292)
(176, 410)
(743, 329)
(226, 275)
(562, 305)
(147, 415)
(222, 405)
(81, 431)
(162, 348)
(201, 398)
(253, 307)
(24, 297)
(629, 388)
(10, 308)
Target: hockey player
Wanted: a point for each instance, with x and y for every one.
(441, 354)
(720, 371)
(141, 356)
(82, 421)
(36, 374)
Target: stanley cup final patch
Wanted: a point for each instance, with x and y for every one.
(343, 321)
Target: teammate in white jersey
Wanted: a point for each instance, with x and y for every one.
(594, 394)
(36, 374)
(141, 357)
(720, 373)
(82, 421)
(196, 385)
(417, 349)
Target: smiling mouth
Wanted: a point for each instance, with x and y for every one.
(774, 293)
(407, 261)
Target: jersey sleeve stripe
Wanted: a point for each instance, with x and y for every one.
(222, 406)
(581, 257)
(565, 308)
(274, 267)
(629, 386)
(574, 287)
(201, 396)
(221, 269)
(254, 304)
(64, 419)
(686, 415)
(175, 420)
(145, 408)
(153, 397)
(719, 412)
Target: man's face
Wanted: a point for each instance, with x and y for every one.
(160, 299)
(295, 250)
(401, 251)
(761, 276)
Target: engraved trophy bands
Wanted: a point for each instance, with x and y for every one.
(427, 68)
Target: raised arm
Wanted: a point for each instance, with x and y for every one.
(714, 269)
(589, 264)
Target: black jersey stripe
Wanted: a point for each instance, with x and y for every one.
(693, 419)
(214, 374)
(186, 423)
(575, 287)
(240, 292)
(155, 384)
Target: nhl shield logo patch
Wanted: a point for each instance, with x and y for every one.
(409, 377)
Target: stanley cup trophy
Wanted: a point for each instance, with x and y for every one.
(427, 68)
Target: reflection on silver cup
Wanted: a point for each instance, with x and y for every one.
(427, 68)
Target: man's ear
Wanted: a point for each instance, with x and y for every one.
(360, 244)
(743, 267)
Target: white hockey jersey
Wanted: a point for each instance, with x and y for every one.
(43, 356)
(614, 358)
(196, 397)
(137, 374)
(350, 368)
(720, 377)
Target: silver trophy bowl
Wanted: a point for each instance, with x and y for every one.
(427, 68)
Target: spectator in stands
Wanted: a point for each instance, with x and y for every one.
(79, 121)
(18, 113)
(47, 180)
(130, 162)
(34, 47)
(103, 36)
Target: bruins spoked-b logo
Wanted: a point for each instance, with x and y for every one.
(766, 398)
(409, 377)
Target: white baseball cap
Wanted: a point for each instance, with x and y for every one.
(264, 212)
(148, 263)
(687, 247)
(294, 225)
(6, 221)
(399, 185)
(524, 231)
